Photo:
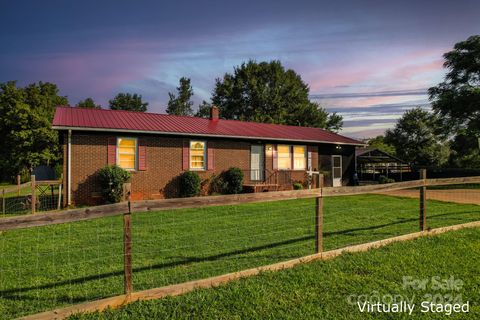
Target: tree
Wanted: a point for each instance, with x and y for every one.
(203, 110)
(266, 92)
(88, 103)
(127, 101)
(379, 143)
(180, 104)
(25, 127)
(456, 100)
(417, 138)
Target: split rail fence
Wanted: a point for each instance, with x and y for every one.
(214, 239)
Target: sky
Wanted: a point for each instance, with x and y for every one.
(367, 60)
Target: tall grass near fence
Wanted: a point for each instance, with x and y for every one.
(45, 266)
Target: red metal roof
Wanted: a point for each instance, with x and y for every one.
(129, 121)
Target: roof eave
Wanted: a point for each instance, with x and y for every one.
(199, 135)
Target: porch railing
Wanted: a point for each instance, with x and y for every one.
(267, 177)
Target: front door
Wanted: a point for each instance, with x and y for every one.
(337, 171)
(257, 160)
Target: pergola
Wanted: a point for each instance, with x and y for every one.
(371, 163)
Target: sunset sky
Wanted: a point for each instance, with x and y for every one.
(368, 60)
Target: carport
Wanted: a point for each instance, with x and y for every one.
(372, 163)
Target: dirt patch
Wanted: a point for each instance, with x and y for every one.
(469, 196)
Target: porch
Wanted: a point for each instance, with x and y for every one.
(275, 180)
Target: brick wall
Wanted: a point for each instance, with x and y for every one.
(163, 165)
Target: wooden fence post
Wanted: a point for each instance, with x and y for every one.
(34, 195)
(127, 251)
(18, 185)
(126, 191)
(319, 217)
(423, 202)
(3, 202)
(59, 204)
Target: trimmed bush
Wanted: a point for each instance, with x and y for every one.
(217, 185)
(297, 186)
(112, 179)
(382, 180)
(233, 181)
(190, 184)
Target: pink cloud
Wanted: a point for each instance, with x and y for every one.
(374, 73)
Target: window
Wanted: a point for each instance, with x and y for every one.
(127, 153)
(197, 155)
(284, 157)
(299, 157)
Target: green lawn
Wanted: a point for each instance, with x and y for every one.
(325, 289)
(47, 267)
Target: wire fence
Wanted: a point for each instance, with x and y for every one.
(30, 197)
(51, 266)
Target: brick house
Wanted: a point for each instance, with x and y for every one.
(157, 148)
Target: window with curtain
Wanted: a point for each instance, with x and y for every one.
(197, 155)
(284, 157)
(127, 153)
(299, 158)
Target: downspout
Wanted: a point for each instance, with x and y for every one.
(69, 169)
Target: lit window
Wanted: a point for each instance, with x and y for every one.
(299, 158)
(284, 157)
(197, 155)
(127, 153)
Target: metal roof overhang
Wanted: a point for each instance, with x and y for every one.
(199, 135)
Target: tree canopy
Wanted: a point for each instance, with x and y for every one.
(128, 101)
(379, 143)
(417, 138)
(88, 103)
(180, 104)
(203, 110)
(267, 92)
(25, 127)
(456, 101)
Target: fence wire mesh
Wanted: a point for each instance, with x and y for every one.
(21, 201)
(47, 267)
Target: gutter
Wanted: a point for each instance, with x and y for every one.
(201, 135)
(69, 169)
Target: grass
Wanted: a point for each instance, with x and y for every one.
(322, 289)
(47, 267)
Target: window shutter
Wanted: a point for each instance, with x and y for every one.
(142, 155)
(186, 154)
(275, 157)
(112, 150)
(210, 155)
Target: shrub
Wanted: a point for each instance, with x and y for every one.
(190, 184)
(233, 181)
(25, 176)
(112, 179)
(297, 186)
(217, 185)
(382, 179)
(58, 170)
